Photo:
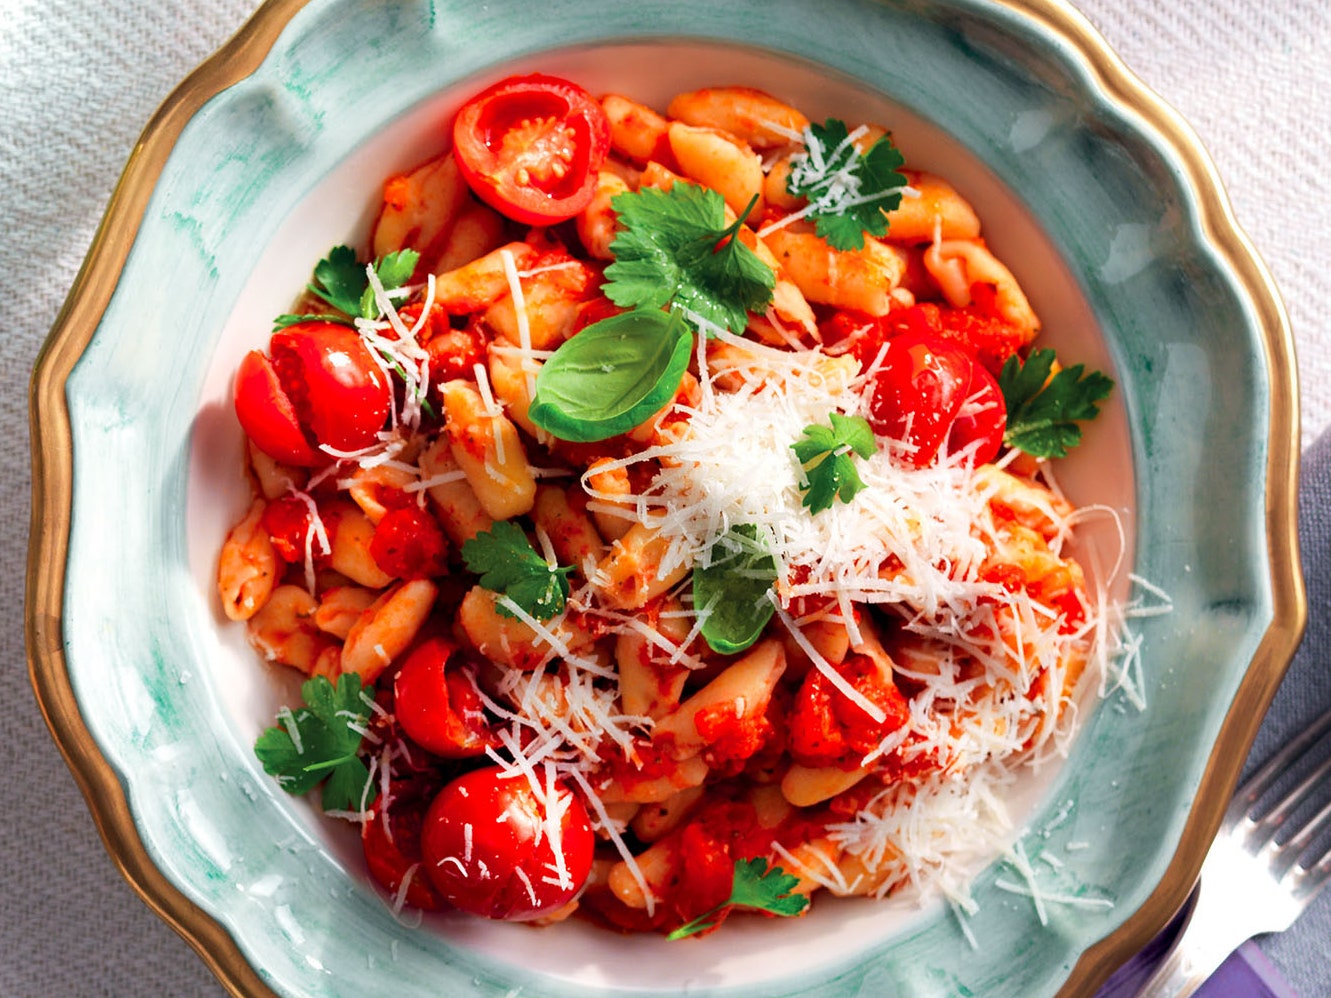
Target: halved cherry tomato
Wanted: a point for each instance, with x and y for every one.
(488, 851)
(917, 393)
(440, 708)
(267, 415)
(391, 841)
(531, 147)
(318, 385)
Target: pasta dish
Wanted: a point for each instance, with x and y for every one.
(658, 506)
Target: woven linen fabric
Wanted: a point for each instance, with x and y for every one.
(81, 78)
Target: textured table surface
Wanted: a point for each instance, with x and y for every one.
(80, 80)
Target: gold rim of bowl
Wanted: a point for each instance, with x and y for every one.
(52, 474)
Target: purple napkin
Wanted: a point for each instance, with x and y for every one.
(1246, 974)
(1305, 692)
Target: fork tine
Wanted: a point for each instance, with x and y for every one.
(1304, 882)
(1261, 781)
(1313, 828)
(1315, 877)
(1294, 799)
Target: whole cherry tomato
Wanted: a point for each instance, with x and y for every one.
(318, 385)
(408, 543)
(440, 708)
(918, 392)
(391, 840)
(488, 850)
(531, 147)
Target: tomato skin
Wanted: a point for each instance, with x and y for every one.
(391, 841)
(340, 392)
(267, 414)
(287, 521)
(437, 707)
(918, 392)
(408, 543)
(531, 147)
(983, 417)
(975, 328)
(454, 353)
(730, 739)
(707, 874)
(319, 385)
(483, 843)
(827, 728)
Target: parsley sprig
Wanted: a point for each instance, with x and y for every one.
(1043, 411)
(508, 564)
(825, 455)
(848, 191)
(341, 281)
(320, 741)
(754, 887)
(675, 248)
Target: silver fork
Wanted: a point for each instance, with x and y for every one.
(1259, 875)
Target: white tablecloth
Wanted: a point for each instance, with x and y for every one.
(78, 81)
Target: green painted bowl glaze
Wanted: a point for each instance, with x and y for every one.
(1090, 190)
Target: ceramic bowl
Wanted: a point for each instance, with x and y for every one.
(1097, 196)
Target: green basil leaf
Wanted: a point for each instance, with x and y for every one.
(612, 375)
(733, 586)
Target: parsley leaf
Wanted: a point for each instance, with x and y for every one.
(289, 319)
(341, 281)
(393, 271)
(320, 742)
(733, 588)
(675, 248)
(848, 191)
(508, 564)
(754, 887)
(1043, 411)
(825, 456)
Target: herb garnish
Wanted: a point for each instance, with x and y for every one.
(612, 375)
(508, 564)
(1043, 411)
(825, 455)
(754, 887)
(340, 280)
(848, 191)
(321, 742)
(732, 587)
(675, 248)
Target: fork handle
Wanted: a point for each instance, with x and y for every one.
(1204, 942)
